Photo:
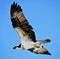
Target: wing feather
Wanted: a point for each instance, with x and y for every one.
(19, 20)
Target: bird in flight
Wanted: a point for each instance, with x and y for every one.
(26, 33)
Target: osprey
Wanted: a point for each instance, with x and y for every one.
(26, 33)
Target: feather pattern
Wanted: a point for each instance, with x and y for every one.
(19, 20)
(25, 30)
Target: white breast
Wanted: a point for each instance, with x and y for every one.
(27, 43)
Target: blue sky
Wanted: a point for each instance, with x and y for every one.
(43, 15)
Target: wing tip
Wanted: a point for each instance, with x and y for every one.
(47, 53)
(15, 7)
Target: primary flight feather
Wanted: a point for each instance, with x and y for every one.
(25, 31)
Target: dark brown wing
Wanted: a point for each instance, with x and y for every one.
(40, 51)
(19, 20)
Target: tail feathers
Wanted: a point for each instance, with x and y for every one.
(48, 40)
(44, 41)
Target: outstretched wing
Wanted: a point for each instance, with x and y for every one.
(20, 22)
(41, 50)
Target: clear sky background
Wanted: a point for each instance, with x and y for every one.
(43, 15)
